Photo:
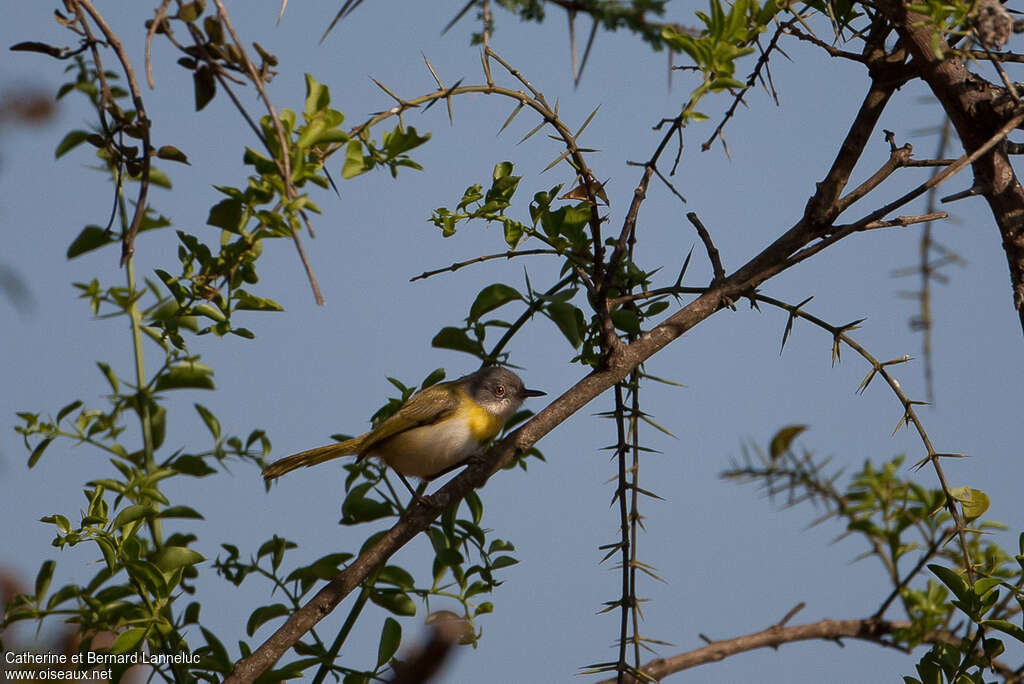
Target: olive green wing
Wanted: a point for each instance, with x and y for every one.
(428, 406)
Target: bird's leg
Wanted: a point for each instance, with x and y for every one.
(417, 496)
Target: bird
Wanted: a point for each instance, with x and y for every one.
(437, 430)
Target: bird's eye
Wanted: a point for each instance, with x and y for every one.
(499, 391)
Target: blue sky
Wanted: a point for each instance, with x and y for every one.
(734, 563)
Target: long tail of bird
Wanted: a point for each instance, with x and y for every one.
(312, 457)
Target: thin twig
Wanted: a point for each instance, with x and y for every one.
(157, 21)
(705, 237)
(762, 62)
(487, 257)
(830, 49)
(281, 160)
(128, 240)
(902, 221)
(935, 180)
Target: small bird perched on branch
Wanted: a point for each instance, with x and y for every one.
(437, 430)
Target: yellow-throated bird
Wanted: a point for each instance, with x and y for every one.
(437, 430)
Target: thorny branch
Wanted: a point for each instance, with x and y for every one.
(283, 164)
(776, 257)
(864, 629)
(813, 233)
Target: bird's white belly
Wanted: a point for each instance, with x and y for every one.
(427, 450)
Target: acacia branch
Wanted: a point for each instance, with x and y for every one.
(865, 629)
(619, 361)
(283, 163)
(709, 245)
(977, 109)
(486, 257)
(762, 63)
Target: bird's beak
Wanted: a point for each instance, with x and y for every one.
(533, 393)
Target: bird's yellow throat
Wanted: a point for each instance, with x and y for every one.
(483, 425)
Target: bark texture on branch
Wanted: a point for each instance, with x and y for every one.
(977, 109)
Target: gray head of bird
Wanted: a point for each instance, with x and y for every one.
(498, 390)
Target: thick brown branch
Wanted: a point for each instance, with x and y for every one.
(977, 109)
(823, 207)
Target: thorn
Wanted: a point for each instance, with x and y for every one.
(969, 192)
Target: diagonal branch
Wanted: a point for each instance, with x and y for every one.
(620, 361)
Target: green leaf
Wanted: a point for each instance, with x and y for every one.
(974, 501)
(91, 237)
(158, 425)
(174, 557)
(68, 591)
(108, 551)
(187, 375)
(395, 601)
(205, 86)
(264, 614)
(190, 11)
(149, 576)
(985, 585)
(783, 439)
(492, 297)
(476, 506)
(226, 214)
(568, 319)
(110, 375)
(171, 153)
(503, 562)
(43, 579)
(132, 513)
(62, 524)
(217, 657)
(436, 376)
(357, 508)
(390, 639)
(188, 464)
(354, 163)
(402, 139)
(128, 640)
(70, 142)
(180, 512)
(318, 96)
(457, 339)
(626, 321)
(513, 232)
(1006, 627)
(248, 302)
(212, 424)
(951, 579)
(502, 170)
(399, 577)
(67, 409)
(38, 451)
